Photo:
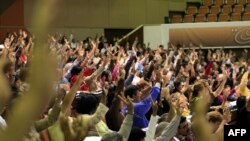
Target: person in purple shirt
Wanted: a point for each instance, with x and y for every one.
(142, 101)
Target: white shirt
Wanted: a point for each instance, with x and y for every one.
(93, 138)
(3, 124)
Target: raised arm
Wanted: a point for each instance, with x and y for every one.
(226, 119)
(128, 121)
(49, 120)
(150, 133)
(113, 117)
(171, 129)
(219, 90)
(91, 53)
(53, 115)
(71, 95)
(97, 116)
(166, 63)
(98, 72)
(243, 83)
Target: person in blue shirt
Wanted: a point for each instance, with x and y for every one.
(142, 101)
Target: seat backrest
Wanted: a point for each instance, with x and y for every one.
(247, 9)
(191, 10)
(226, 9)
(203, 10)
(238, 8)
(212, 18)
(218, 2)
(200, 18)
(242, 2)
(176, 19)
(236, 17)
(223, 17)
(188, 19)
(215, 9)
(246, 16)
(230, 2)
(207, 2)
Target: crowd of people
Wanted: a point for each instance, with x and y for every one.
(112, 92)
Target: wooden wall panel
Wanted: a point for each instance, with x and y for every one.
(13, 15)
(12, 19)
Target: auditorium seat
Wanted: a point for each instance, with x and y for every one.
(246, 16)
(203, 10)
(230, 2)
(226, 9)
(236, 17)
(242, 2)
(247, 9)
(200, 18)
(223, 17)
(238, 8)
(192, 10)
(215, 9)
(218, 2)
(212, 18)
(176, 19)
(207, 2)
(188, 19)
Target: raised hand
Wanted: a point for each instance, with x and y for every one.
(226, 74)
(226, 93)
(129, 102)
(154, 105)
(60, 96)
(227, 114)
(106, 60)
(165, 93)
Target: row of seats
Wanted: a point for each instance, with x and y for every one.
(222, 2)
(215, 9)
(211, 18)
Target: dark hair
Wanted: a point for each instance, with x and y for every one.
(192, 80)
(130, 91)
(105, 74)
(111, 64)
(214, 117)
(75, 70)
(7, 66)
(62, 40)
(184, 64)
(230, 83)
(136, 134)
(183, 119)
(241, 102)
(86, 103)
(111, 95)
(148, 72)
(197, 88)
(178, 67)
(177, 84)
